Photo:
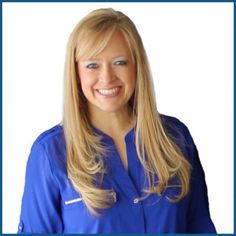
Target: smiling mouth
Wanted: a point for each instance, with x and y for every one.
(109, 92)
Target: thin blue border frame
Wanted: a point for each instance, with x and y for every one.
(122, 1)
(1, 130)
(210, 1)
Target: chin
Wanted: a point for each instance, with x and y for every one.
(109, 109)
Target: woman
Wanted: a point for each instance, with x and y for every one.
(114, 165)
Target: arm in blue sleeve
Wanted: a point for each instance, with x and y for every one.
(199, 220)
(40, 209)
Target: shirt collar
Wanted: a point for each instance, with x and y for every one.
(129, 137)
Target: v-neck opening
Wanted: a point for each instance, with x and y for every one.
(129, 137)
(115, 165)
(105, 137)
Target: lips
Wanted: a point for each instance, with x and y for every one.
(109, 92)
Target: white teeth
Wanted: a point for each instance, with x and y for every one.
(108, 91)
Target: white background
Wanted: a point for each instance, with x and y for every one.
(190, 49)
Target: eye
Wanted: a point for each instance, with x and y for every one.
(121, 62)
(92, 66)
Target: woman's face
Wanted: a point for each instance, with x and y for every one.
(108, 80)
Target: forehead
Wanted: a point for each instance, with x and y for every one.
(111, 45)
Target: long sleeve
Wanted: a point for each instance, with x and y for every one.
(40, 209)
(199, 220)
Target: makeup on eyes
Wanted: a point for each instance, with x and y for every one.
(92, 65)
(96, 63)
(122, 60)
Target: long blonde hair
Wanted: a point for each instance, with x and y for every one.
(157, 152)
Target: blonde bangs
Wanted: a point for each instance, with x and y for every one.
(94, 42)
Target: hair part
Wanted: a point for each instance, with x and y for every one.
(156, 151)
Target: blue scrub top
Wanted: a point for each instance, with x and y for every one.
(51, 205)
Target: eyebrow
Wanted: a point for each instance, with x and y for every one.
(97, 59)
(121, 58)
(89, 60)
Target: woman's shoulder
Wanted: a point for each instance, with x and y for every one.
(179, 133)
(53, 134)
(172, 123)
(50, 145)
(177, 130)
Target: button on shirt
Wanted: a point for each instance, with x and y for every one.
(51, 205)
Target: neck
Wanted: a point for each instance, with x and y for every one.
(115, 124)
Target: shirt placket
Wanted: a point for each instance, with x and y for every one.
(126, 183)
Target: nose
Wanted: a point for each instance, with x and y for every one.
(107, 74)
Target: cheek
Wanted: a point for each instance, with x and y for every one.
(131, 79)
(86, 80)
(86, 85)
